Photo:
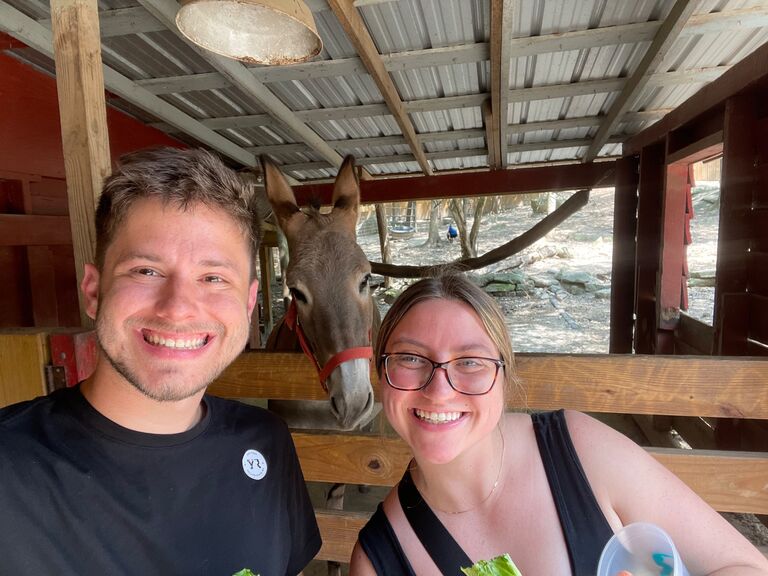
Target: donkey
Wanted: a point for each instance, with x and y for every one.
(332, 315)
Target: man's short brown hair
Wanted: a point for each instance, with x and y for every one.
(180, 177)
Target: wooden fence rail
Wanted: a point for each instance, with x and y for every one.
(625, 384)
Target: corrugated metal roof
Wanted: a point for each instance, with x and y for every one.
(567, 63)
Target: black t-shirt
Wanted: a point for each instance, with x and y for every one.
(82, 495)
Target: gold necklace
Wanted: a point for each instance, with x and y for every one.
(493, 489)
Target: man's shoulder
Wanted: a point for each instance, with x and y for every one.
(18, 415)
(235, 411)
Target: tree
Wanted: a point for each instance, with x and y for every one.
(435, 210)
(459, 209)
(381, 225)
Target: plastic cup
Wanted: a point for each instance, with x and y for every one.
(641, 549)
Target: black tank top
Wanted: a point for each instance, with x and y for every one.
(585, 528)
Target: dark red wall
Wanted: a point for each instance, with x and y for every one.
(30, 133)
(40, 287)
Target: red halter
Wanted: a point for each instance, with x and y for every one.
(292, 321)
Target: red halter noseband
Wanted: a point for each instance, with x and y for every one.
(292, 321)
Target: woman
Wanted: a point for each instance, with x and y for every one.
(549, 489)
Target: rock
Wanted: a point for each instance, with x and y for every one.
(702, 274)
(701, 282)
(595, 287)
(499, 288)
(603, 294)
(512, 277)
(575, 277)
(575, 289)
(390, 295)
(702, 278)
(583, 236)
(543, 281)
(564, 253)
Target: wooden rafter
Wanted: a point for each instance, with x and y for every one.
(697, 75)
(122, 21)
(453, 154)
(466, 53)
(454, 135)
(137, 20)
(500, 88)
(343, 113)
(358, 34)
(491, 138)
(491, 114)
(662, 42)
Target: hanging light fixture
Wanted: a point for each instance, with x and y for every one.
(256, 31)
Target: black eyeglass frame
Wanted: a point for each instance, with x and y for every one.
(444, 365)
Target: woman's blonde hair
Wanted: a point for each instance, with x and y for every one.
(453, 286)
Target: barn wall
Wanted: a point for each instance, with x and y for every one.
(729, 120)
(40, 286)
(30, 133)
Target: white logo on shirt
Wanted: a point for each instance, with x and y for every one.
(254, 464)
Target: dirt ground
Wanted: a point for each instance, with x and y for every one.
(553, 315)
(561, 302)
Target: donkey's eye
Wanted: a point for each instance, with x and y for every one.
(298, 295)
(364, 284)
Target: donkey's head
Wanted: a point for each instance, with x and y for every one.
(328, 276)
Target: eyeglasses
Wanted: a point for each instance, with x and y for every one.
(469, 375)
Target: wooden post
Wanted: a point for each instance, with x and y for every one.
(82, 108)
(649, 209)
(267, 276)
(624, 247)
(672, 248)
(737, 188)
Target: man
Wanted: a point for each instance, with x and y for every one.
(136, 470)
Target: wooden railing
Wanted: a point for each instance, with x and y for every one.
(627, 384)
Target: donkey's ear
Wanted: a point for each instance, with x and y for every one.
(281, 197)
(346, 194)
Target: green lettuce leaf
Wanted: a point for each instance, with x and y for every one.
(499, 566)
(244, 572)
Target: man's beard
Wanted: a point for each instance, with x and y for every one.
(169, 387)
(162, 392)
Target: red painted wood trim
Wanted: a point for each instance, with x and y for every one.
(672, 246)
(494, 182)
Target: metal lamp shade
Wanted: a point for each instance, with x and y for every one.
(257, 31)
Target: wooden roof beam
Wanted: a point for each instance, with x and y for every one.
(486, 183)
(746, 18)
(755, 17)
(662, 42)
(358, 34)
(501, 50)
(465, 134)
(491, 118)
(253, 120)
(123, 21)
(451, 154)
(491, 137)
